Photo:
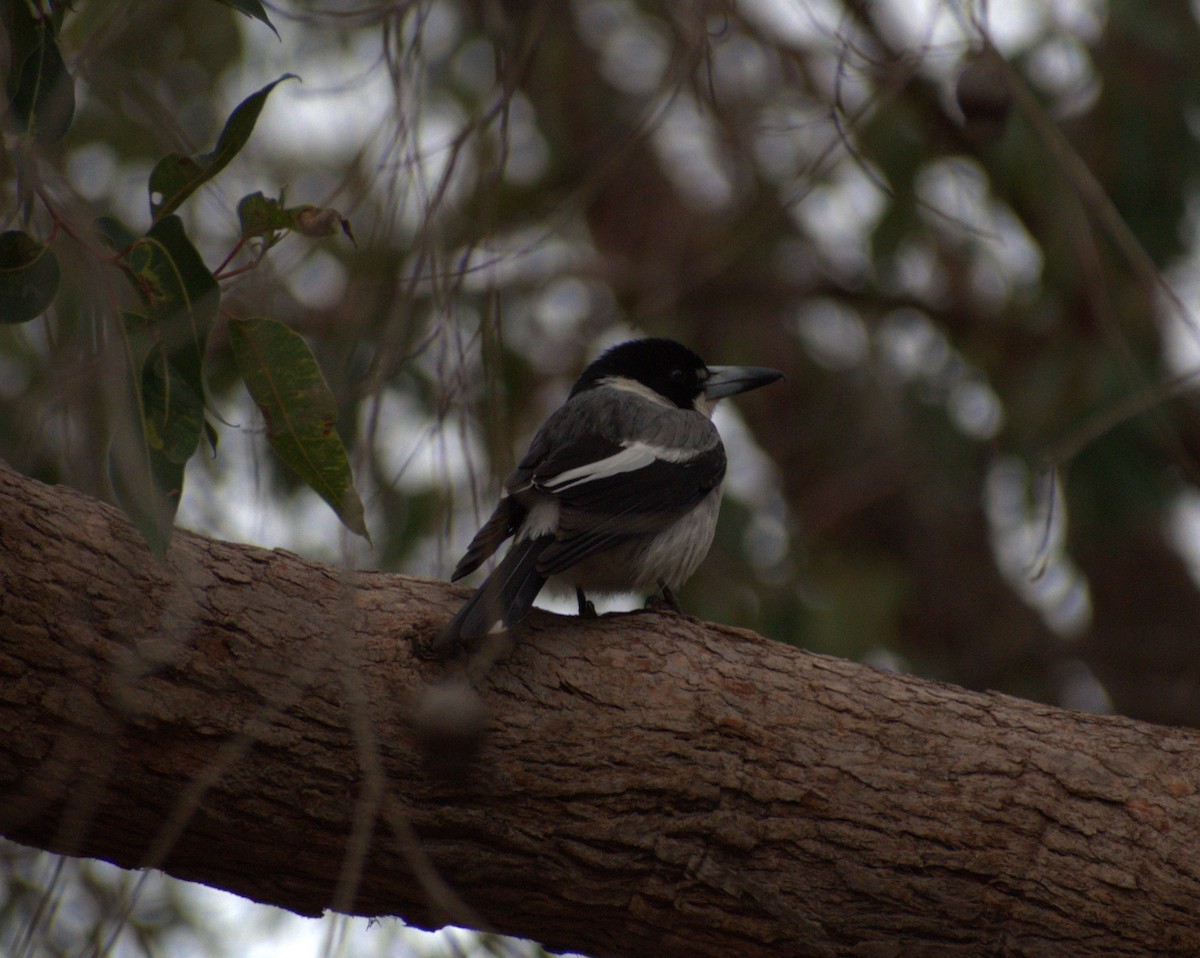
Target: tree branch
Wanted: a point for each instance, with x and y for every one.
(649, 784)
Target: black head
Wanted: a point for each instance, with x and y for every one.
(669, 368)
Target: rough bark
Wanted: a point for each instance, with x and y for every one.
(648, 784)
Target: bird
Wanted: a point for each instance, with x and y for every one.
(619, 491)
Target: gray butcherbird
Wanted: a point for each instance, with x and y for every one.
(618, 492)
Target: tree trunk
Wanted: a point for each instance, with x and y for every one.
(648, 784)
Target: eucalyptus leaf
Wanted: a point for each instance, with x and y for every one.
(177, 176)
(113, 233)
(148, 487)
(40, 91)
(263, 216)
(286, 384)
(253, 9)
(29, 277)
(267, 217)
(180, 294)
(173, 412)
(146, 465)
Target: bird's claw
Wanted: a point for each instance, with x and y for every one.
(587, 609)
(665, 602)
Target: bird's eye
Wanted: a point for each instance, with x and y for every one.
(678, 376)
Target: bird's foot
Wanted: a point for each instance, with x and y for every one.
(666, 602)
(587, 610)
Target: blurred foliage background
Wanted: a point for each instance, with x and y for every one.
(967, 234)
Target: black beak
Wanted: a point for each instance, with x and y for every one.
(730, 380)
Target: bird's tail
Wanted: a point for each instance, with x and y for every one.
(503, 599)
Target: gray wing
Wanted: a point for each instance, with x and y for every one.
(620, 466)
(502, 524)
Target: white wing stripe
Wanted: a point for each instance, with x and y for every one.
(632, 457)
(635, 455)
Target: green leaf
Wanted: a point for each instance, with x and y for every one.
(28, 277)
(253, 9)
(41, 94)
(136, 324)
(176, 176)
(285, 382)
(113, 233)
(173, 411)
(148, 487)
(180, 294)
(265, 216)
(148, 484)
